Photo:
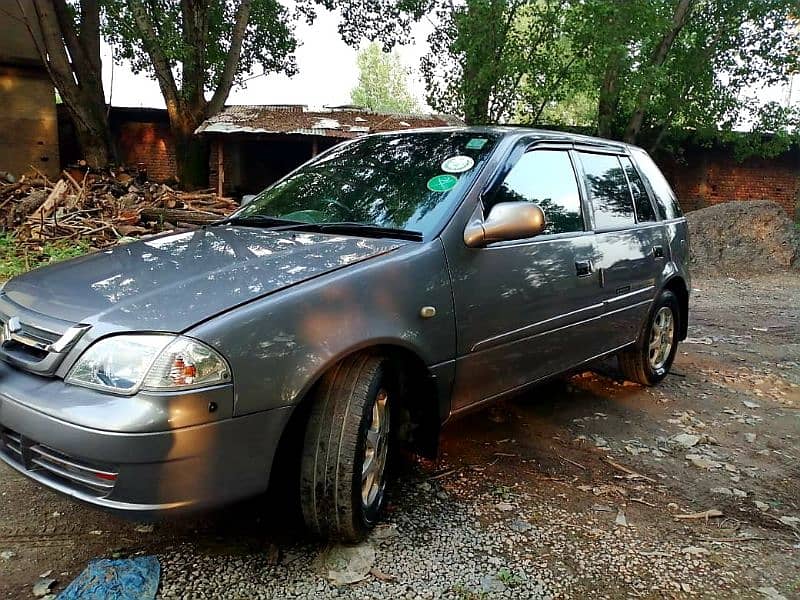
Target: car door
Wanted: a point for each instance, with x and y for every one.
(522, 306)
(629, 243)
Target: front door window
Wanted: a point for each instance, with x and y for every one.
(546, 178)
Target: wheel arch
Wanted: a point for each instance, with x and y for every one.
(677, 285)
(420, 399)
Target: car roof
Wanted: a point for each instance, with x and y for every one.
(515, 131)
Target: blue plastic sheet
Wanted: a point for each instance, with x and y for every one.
(127, 579)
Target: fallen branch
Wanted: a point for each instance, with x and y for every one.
(572, 462)
(706, 514)
(643, 501)
(732, 540)
(442, 475)
(50, 204)
(633, 474)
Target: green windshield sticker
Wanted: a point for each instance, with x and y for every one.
(442, 183)
(476, 143)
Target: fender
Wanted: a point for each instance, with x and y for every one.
(280, 346)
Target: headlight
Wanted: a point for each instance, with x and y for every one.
(126, 363)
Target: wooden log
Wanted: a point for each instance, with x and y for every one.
(175, 214)
(49, 205)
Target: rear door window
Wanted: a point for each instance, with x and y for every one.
(608, 191)
(665, 198)
(546, 178)
(644, 208)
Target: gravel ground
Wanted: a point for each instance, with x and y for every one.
(579, 489)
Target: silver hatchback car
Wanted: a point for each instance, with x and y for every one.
(388, 285)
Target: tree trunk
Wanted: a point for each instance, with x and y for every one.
(70, 51)
(608, 101)
(679, 20)
(476, 107)
(187, 107)
(93, 133)
(191, 156)
(95, 144)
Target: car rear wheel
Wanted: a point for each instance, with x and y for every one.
(649, 360)
(346, 449)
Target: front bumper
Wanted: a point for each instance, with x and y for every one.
(143, 474)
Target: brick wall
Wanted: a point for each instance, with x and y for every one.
(140, 135)
(709, 176)
(149, 143)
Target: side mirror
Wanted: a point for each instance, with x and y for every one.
(506, 221)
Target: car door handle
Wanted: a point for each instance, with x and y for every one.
(658, 251)
(583, 268)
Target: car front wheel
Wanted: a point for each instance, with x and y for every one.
(649, 360)
(346, 449)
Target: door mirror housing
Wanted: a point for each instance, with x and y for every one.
(506, 221)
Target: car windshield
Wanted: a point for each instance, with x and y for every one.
(407, 181)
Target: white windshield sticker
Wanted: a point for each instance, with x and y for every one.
(458, 164)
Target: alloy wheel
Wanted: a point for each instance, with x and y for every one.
(375, 451)
(662, 335)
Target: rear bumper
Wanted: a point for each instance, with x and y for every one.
(143, 474)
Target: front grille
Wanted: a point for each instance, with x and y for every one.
(92, 478)
(24, 351)
(35, 342)
(37, 334)
(13, 443)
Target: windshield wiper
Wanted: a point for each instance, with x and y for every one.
(364, 229)
(258, 221)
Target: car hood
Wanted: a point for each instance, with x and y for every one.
(171, 282)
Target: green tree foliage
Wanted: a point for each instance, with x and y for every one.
(489, 57)
(382, 82)
(577, 108)
(385, 20)
(634, 70)
(198, 47)
(685, 64)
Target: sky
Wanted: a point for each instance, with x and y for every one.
(327, 72)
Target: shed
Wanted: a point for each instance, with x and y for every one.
(254, 146)
(28, 122)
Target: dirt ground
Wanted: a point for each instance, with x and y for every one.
(591, 482)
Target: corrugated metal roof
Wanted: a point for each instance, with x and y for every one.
(296, 119)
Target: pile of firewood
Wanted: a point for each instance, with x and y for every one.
(99, 209)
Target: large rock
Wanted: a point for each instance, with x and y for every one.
(739, 237)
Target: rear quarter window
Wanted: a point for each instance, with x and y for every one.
(665, 198)
(644, 209)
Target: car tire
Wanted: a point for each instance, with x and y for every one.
(649, 360)
(346, 447)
